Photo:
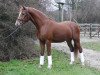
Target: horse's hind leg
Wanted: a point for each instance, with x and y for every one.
(81, 56)
(71, 50)
(42, 45)
(78, 46)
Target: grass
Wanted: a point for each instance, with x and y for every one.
(92, 45)
(60, 67)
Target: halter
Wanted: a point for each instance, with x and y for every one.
(11, 33)
(28, 14)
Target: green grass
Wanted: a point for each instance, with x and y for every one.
(60, 67)
(92, 45)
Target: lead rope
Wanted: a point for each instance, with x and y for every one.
(11, 33)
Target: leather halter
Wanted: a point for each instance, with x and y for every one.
(28, 14)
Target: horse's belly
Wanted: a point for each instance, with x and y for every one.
(62, 36)
(59, 39)
(56, 41)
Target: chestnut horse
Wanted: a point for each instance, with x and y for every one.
(50, 31)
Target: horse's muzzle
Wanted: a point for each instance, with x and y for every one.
(17, 23)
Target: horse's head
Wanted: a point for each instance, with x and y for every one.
(23, 16)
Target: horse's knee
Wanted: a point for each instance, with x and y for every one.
(42, 51)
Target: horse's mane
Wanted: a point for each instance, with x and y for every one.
(40, 13)
(36, 11)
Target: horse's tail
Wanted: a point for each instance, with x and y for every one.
(76, 39)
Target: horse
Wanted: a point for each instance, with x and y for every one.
(50, 31)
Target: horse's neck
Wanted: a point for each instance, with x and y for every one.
(38, 18)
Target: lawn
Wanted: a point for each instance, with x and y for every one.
(92, 45)
(60, 67)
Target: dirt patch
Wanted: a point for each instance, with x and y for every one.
(92, 58)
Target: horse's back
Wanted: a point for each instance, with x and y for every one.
(72, 26)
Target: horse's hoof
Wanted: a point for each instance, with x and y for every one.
(71, 63)
(49, 66)
(40, 66)
(83, 63)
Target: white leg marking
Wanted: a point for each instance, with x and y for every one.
(72, 58)
(82, 58)
(41, 60)
(49, 62)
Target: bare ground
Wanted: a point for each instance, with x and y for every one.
(92, 58)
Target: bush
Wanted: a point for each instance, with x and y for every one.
(20, 45)
(4, 17)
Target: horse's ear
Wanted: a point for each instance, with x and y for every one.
(23, 7)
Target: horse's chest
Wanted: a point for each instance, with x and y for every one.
(44, 33)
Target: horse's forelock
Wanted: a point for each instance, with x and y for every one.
(22, 7)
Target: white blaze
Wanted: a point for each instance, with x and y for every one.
(17, 22)
(19, 14)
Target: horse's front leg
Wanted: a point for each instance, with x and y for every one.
(48, 44)
(42, 45)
